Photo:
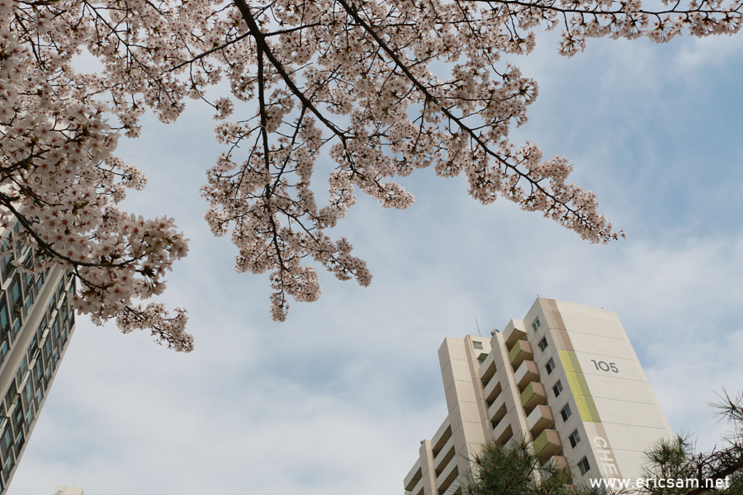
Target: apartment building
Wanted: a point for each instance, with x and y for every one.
(36, 321)
(564, 378)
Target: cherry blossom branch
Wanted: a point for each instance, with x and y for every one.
(260, 40)
(598, 235)
(362, 78)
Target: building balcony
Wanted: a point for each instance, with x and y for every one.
(445, 455)
(454, 489)
(503, 432)
(487, 368)
(539, 419)
(447, 477)
(413, 477)
(441, 436)
(521, 351)
(532, 396)
(561, 462)
(514, 331)
(547, 444)
(498, 409)
(492, 390)
(527, 373)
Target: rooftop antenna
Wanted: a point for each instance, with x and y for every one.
(478, 328)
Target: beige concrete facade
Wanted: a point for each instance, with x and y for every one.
(68, 490)
(36, 322)
(565, 378)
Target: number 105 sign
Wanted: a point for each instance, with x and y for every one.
(604, 366)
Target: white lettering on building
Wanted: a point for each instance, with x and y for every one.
(605, 457)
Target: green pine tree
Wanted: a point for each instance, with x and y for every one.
(514, 469)
(675, 459)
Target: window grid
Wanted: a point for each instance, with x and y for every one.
(557, 389)
(566, 412)
(536, 324)
(574, 438)
(550, 366)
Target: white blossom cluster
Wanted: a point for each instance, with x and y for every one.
(59, 180)
(380, 87)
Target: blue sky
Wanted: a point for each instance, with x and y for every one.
(335, 400)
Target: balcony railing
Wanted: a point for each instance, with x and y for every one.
(521, 351)
(539, 419)
(497, 409)
(526, 373)
(487, 368)
(503, 432)
(514, 331)
(492, 390)
(547, 444)
(413, 477)
(445, 456)
(447, 477)
(533, 395)
(441, 437)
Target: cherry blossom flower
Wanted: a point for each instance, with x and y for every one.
(380, 87)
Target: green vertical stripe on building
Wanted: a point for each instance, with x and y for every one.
(579, 387)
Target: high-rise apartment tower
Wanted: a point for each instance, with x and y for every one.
(565, 378)
(36, 321)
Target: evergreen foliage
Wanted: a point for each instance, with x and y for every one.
(514, 469)
(675, 459)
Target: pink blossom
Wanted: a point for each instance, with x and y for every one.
(359, 82)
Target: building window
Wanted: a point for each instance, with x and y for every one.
(8, 464)
(574, 438)
(543, 344)
(16, 296)
(29, 417)
(566, 412)
(550, 366)
(6, 440)
(478, 345)
(536, 325)
(557, 388)
(18, 418)
(14, 329)
(5, 265)
(21, 370)
(584, 466)
(19, 441)
(4, 319)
